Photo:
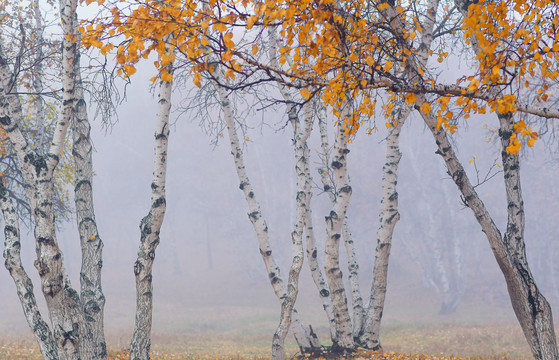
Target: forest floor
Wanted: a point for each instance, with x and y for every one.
(402, 342)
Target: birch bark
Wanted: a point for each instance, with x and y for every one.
(150, 227)
(388, 217)
(92, 298)
(306, 342)
(370, 334)
(334, 222)
(37, 169)
(302, 154)
(301, 133)
(530, 306)
(24, 285)
(353, 265)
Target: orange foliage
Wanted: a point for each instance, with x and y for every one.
(346, 48)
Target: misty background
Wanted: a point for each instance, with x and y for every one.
(208, 265)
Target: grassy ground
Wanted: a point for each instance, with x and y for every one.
(491, 341)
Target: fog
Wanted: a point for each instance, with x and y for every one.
(208, 265)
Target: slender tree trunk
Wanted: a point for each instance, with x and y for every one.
(37, 77)
(24, 286)
(150, 227)
(302, 155)
(92, 298)
(530, 306)
(353, 266)
(388, 218)
(312, 256)
(334, 222)
(305, 341)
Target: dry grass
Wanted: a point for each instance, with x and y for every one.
(493, 341)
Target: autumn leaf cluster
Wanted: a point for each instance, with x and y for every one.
(371, 55)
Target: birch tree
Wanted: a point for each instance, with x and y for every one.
(287, 297)
(37, 169)
(150, 227)
(361, 54)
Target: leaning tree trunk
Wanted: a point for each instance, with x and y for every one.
(388, 218)
(306, 342)
(301, 133)
(530, 306)
(92, 298)
(150, 227)
(24, 286)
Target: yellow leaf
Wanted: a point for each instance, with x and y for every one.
(250, 22)
(227, 40)
(165, 76)
(388, 65)
(196, 79)
(425, 108)
(254, 49)
(411, 98)
(306, 94)
(383, 6)
(220, 27)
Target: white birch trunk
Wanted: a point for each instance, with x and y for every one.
(334, 222)
(312, 256)
(62, 300)
(388, 218)
(353, 266)
(301, 133)
(255, 216)
(530, 306)
(92, 298)
(302, 155)
(389, 215)
(24, 286)
(150, 227)
(37, 76)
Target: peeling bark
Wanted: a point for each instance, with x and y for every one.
(24, 285)
(91, 292)
(37, 169)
